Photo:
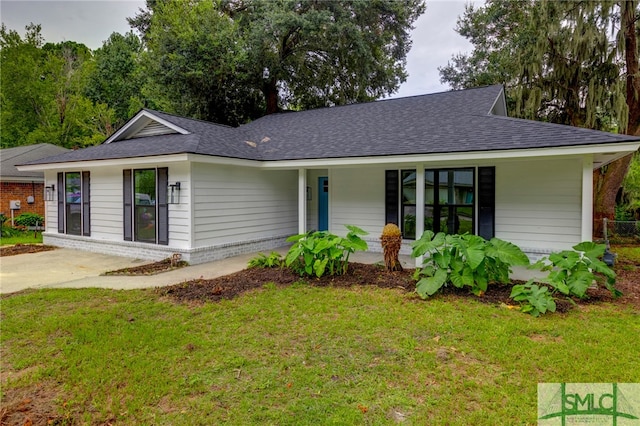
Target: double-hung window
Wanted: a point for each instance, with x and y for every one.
(146, 212)
(73, 203)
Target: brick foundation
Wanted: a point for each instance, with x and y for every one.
(158, 252)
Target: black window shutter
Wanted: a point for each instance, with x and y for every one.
(391, 194)
(60, 203)
(86, 206)
(486, 202)
(128, 208)
(163, 206)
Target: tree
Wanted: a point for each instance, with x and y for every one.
(42, 91)
(254, 57)
(565, 62)
(117, 79)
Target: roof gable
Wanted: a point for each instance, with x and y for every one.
(144, 124)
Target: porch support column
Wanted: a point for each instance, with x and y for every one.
(302, 201)
(587, 198)
(419, 206)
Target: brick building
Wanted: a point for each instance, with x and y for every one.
(25, 187)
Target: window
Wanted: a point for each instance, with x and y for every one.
(146, 213)
(449, 200)
(73, 203)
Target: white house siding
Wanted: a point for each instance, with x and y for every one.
(236, 205)
(538, 204)
(106, 206)
(356, 197)
(51, 207)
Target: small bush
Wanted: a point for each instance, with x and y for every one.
(572, 272)
(320, 252)
(274, 260)
(463, 260)
(534, 299)
(29, 219)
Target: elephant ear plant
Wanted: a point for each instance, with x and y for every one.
(571, 273)
(463, 261)
(320, 252)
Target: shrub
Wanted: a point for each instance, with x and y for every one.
(317, 252)
(29, 219)
(391, 241)
(463, 260)
(572, 272)
(274, 260)
(533, 299)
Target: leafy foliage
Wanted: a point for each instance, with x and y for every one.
(572, 272)
(463, 260)
(274, 260)
(320, 252)
(29, 219)
(42, 90)
(534, 299)
(230, 61)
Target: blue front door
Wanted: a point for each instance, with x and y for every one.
(323, 203)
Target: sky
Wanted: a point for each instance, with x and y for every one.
(92, 21)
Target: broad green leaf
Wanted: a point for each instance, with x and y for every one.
(319, 266)
(356, 231)
(507, 252)
(423, 245)
(442, 259)
(591, 250)
(603, 268)
(294, 238)
(475, 251)
(579, 282)
(430, 285)
(462, 277)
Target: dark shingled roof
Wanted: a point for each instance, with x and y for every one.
(10, 157)
(457, 121)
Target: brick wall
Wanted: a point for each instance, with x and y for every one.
(20, 191)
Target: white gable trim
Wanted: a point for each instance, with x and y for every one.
(499, 106)
(139, 122)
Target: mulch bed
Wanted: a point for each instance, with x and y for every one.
(23, 248)
(230, 286)
(150, 268)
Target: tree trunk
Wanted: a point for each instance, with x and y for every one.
(270, 91)
(608, 180)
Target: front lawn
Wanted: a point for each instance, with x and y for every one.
(21, 237)
(298, 355)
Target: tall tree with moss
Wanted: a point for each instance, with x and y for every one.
(255, 57)
(565, 62)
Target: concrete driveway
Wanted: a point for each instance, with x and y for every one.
(67, 268)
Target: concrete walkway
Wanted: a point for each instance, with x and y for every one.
(67, 268)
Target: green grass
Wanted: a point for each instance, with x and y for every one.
(22, 237)
(303, 356)
(630, 253)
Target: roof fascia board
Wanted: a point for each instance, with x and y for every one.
(131, 125)
(615, 148)
(27, 179)
(153, 160)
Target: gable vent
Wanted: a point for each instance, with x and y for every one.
(153, 129)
